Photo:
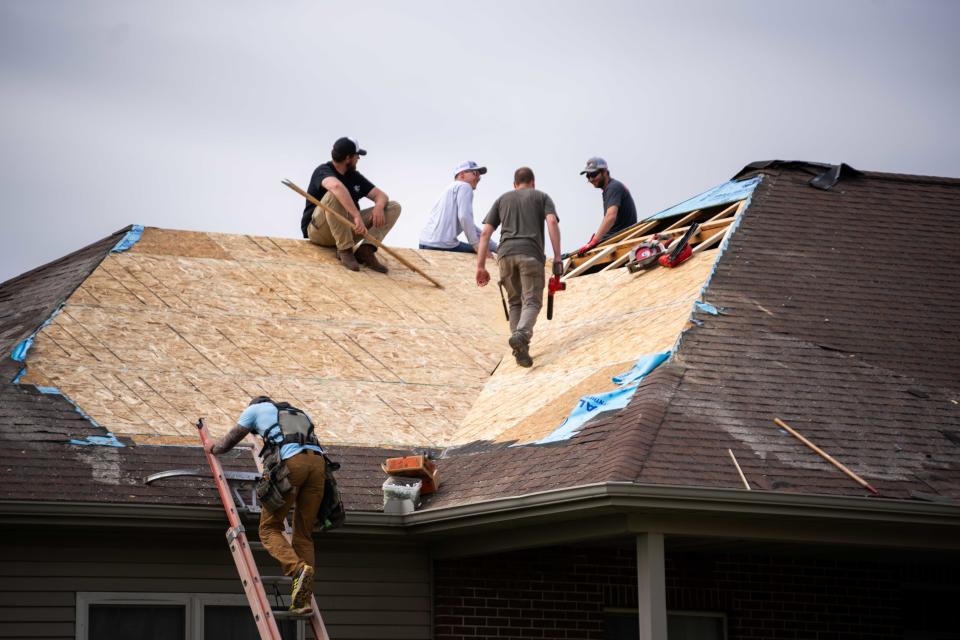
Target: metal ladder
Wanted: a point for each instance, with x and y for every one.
(253, 584)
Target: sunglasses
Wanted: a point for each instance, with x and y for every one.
(593, 174)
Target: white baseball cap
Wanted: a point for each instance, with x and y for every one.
(469, 165)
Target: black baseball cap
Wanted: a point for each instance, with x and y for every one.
(347, 147)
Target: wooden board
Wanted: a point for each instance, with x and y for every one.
(603, 323)
(193, 324)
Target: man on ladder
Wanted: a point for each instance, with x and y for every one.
(295, 471)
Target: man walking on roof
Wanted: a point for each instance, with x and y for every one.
(339, 186)
(453, 214)
(307, 467)
(619, 211)
(522, 213)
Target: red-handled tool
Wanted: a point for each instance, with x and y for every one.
(553, 286)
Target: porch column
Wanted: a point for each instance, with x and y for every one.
(651, 587)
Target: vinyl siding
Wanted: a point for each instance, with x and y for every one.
(366, 590)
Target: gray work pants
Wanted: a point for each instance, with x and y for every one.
(522, 278)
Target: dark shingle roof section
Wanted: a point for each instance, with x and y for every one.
(840, 317)
(608, 448)
(37, 461)
(27, 300)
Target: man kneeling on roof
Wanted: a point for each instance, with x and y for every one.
(522, 213)
(289, 442)
(339, 186)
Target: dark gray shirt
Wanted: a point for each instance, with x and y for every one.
(522, 213)
(615, 194)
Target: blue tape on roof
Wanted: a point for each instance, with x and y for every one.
(706, 307)
(19, 353)
(108, 440)
(726, 193)
(99, 441)
(129, 239)
(590, 406)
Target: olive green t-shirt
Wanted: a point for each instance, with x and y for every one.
(522, 213)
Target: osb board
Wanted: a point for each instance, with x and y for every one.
(190, 324)
(603, 323)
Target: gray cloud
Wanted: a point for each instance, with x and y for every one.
(187, 115)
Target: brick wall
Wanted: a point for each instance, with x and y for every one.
(565, 593)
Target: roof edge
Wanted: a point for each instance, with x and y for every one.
(160, 516)
(119, 234)
(629, 495)
(842, 170)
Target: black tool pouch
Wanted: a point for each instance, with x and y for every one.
(331, 514)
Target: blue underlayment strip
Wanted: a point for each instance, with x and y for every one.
(590, 406)
(19, 353)
(108, 440)
(706, 307)
(129, 239)
(725, 193)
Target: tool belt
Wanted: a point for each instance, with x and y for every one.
(274, 487)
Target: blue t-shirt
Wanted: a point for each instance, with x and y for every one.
(263, 415)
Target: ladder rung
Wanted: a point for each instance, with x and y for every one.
(256, 545)
(293, 615)
(276, 579)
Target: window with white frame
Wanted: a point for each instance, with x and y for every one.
(170, 616)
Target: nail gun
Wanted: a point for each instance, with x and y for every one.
(553, 286)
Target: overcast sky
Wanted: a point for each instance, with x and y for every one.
(187, 115)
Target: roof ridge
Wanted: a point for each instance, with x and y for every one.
(116, 234)
(58, 279)
(643, 418)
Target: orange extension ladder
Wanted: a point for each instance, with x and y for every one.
(264, 616)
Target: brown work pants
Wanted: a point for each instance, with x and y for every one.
(328, 230)
(522, 277)
(308, 471)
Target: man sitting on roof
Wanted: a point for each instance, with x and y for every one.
(619, 211)
(453, 214)
(522, 213)
(339, 186)
(307, 467)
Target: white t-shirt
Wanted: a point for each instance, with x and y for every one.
(451, 216)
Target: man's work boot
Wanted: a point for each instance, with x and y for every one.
(521, 349)
(367, 255)
(302, 588)
(348, 260)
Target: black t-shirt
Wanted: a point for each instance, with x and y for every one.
(615, 194)
(353, 180)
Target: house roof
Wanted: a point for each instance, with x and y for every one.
(837, 314)
(825, 321)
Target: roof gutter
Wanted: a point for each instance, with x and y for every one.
(648, 505)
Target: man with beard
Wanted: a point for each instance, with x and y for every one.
(339, 186)
(619, 211)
